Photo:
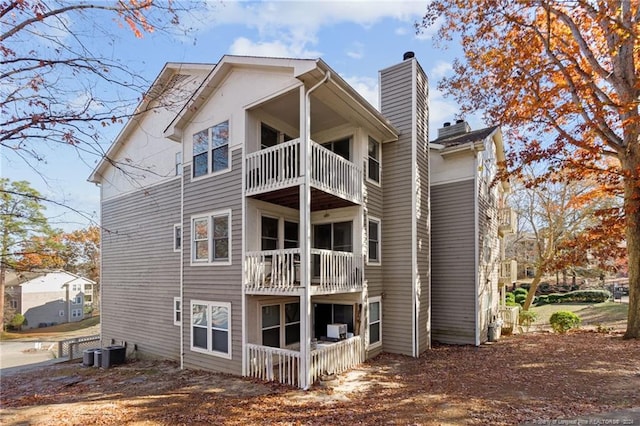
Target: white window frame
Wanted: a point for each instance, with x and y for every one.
(60, 313)
(373, 300)
(210, 240)
(377, 261)
(210, 351)
(177, 243)
(13, 303)
(210, 149)
(378, 160)
(177, 310)
(282, 325)
(77, 300)
(76, 313)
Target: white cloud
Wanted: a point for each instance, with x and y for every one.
(366, 86)
(401, 31)
(440, 110)
(441, 69)
(293, 25)
(278, 49)
(356, 51)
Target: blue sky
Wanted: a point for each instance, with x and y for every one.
(355, 38)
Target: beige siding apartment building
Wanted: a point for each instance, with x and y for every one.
(262, 219)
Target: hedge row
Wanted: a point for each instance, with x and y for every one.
(578, 296)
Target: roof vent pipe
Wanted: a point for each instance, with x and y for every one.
(459, 121)
(408, 55)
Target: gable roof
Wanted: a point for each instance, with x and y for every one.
(308, 71)
(163, 79)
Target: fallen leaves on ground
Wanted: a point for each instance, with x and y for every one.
(522, 378)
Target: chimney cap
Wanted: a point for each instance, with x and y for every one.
(459, 121)
(446, 124)
(408, 55)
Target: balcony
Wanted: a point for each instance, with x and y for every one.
(507, 221)
(277, 272)
(283, 365)
(278, 167)
(508, 271)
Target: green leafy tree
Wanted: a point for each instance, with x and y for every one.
(21, 218)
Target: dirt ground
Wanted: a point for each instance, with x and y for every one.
(525, 378)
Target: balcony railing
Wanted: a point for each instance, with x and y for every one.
(278, 167)
(283, 365)
(332, 173)
(273, 168)
(507, 221)
(276, 271)
(508, 271)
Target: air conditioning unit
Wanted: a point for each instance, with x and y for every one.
(337, 331)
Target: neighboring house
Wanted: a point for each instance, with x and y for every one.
(48, 298)
(245, 228)
(523, 247)
(469, 220)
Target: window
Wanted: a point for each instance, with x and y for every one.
(373, 233)
(281, 324)
(270, 234)
(271, 137)
(88, 298)
(373, 165)
(75, 287)
(177, 237)
(178, 163)
(177, 310)
(76, 313)
(60, 313)
(341, 147)
(375, 322)
(331, 236)
(328, 313)
(77, 300)
(211, 328)
(211, 150)
(211, 238)
(14, 304)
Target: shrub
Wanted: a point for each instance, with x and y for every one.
(579, 296)
(563, 321)
(520, 299)
(17, 321)
(527, 318)
(520, 290)
(541, 300)
(510, 297)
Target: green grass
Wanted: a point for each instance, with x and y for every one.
(50, 331)
(606, 314)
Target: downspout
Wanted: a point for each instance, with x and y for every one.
(182, 229)
(305, 220)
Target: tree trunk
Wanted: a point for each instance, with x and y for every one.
(532, 290)
(631, 167)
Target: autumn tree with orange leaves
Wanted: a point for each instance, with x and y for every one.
(562, 77)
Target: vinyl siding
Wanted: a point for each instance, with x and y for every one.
(422, 211)
(214, 283)
(373, 273)
(453, 265)
(396, 105)
(140, 270)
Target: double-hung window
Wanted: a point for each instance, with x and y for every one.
(341, 147)
(375, 322)
(177, 310)
(211, 238)
(373, 234)
(373, 164)
(281, 324)
(211, 328)
(211, 150)
(177, 237)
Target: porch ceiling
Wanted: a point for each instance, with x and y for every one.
(286, 108)
(290, 197)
